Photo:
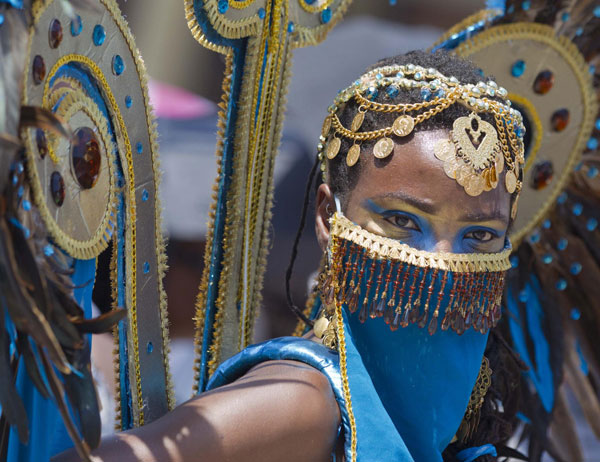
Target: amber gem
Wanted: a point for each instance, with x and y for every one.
(42, 142)
(39, 69)
(560, 120)
(55, 33)
(85, 154)
(543, 82)
(542, 175)
(57, 188)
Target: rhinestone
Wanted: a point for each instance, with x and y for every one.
(371, 93)
(39, 69)
(85, 154)
(42, 142)
(575, 268)
(592, 172)
(139, 147)
(543, 82)
(526, 5)
(518, 68)
(118, 66)
(262, 13)
(146, 267)
(223, 6)
(591, 224)
(562, 198)
(128, 101)
(575, 314)
(76, 26)
(149, 347)
(392, 91)
(514, 261)
(547, 259)
(57, 188)
(291, 27)
(592, 144)
(145, 195)
(55, 33)
(99, 35)
(561, 284)
(326, 15)
(560, 120)
(542, 175)
(562, 244)
(425, 94)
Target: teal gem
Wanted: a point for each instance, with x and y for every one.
(562, 244)
(76, 26)
(149, 347)
(561, 284)
(118, 65)
(139, 147)
(575, 268)
(223, 6)
(99, 35)
(575, 314)
(577, 209)
(518, 68)
(526, 5)
(592, 224)
(262, 13)
(547, 259)
(128, 101)
(145, 195)
(291, 27)
(592, 144)
(146, 267)
(392, 91)
(326, 15)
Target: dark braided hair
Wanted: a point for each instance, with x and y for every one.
(498, 413)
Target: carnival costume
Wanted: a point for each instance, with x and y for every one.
(77, 189)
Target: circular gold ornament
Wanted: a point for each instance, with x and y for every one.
(510, 181)
(321, 326)
(474, 185)
(357, 121)
(333, 147)
(383, 148)
(326, 126)
(353, 155)
(403, 125)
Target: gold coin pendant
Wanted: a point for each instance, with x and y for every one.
(403, 125)
(357, 121)
(383, 148)
(326, 126)
(333, 147)
(511, 181)
(353, 155)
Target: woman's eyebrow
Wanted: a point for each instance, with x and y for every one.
(474, 216)
(424, 205)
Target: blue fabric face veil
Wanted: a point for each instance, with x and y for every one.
(406, 390)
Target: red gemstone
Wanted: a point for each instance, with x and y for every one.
(542, 175)
(39, 69)
(57, 188)
(42, 142)
(55, 33)
(85, 154)
(560, 120)
(543, 82)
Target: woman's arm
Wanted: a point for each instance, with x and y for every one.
(279, 410)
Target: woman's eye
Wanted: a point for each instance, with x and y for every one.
(402, 221)
(480, 235)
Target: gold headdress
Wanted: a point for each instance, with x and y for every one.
(478, 151)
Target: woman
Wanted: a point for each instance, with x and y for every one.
(421, 179)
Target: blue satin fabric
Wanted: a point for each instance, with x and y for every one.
(48, 435)
(409, 389)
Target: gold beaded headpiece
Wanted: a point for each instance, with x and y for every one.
(478, 151)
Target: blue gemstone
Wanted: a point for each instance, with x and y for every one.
(534, 238)
(291, 27)
(20, 168)
(577, 209)
(520, 132)
(26, 205)
(15, 180)
(562, 198)
(326, 15)
(514, 261)
(597, 124)
(523, 296)
(371, 93)
(139, 148)
(526, 5)
(309, 2)
(20, 191)
(425, 94)
(118, 65)
(547, 224)
(223, 6)
(592, 172)
(99, 35)
(149, 347)
(518, 68)
(547, 259)
(561, 284)
(379, 76)
(592, 70)
(392, 91)
(145, 195)
(575, 269)
(575, 314)
(393, 2)
(562, 244)
(128, 101)
(146, 267)
(579, 31)
(597, 11)
(1, 19)
(48, 250)
(565, 17)
(592, 144)
(578, 166)
(262, 13)
(592, 224)
(76, 26)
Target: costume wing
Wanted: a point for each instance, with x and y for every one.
(79, 177)
(545, 53)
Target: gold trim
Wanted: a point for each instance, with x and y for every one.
(314, 9)
(571, 54)
(481, 15)
(383, 247)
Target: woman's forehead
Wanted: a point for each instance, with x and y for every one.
(413, 174)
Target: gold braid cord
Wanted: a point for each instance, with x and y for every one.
(271, 29)
(142, 266)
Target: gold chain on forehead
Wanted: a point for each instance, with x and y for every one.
(478, 151)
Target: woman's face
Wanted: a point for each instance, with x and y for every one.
(408, 197)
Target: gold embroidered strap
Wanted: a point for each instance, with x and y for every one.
(389, 248)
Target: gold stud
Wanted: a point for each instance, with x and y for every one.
(403, 125)
(353, 155)
(333, 147)
(383, 148)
